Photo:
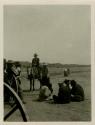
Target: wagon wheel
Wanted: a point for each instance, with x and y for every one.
(19, 105)
(13, 83)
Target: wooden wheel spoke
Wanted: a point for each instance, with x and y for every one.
(19, 105)
(10, 112)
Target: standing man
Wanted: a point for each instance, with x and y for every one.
(35, 61)
(35, 68)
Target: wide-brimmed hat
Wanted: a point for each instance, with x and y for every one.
(17, 64)
(10, 62)
(35, 54)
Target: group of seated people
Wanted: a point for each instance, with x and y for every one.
(69, 90)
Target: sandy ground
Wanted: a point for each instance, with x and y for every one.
(47, 111)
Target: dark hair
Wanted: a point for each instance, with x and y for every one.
(66, 81)
(17, 64)
(73, 83)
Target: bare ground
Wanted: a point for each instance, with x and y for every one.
(47, 111)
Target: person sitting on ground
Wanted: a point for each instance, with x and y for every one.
(45, 92)
(77, 92)
(63, 94)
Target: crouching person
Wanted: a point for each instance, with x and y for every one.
(63, 94)
(77, 92)
(45, 92)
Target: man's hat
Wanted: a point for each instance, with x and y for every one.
(10, 62)
(17, 64)
(35, 54)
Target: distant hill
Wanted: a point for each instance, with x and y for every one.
(66, 65)
(58, 65)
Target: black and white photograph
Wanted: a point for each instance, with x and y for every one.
(47, 63)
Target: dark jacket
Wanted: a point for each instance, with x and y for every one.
(64, 94)
(44, 71)
(77, 90)
(35, 62)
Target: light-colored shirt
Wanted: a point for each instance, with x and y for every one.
(44, 93)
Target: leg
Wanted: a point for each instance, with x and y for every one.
(33, 84)
(30, 84)
(40, 83)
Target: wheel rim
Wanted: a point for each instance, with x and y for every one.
(19, 105)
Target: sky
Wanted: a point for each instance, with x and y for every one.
(57, 33)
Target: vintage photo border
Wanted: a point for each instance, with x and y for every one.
(48, 2)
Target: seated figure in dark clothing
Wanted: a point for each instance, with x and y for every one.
(77, 92)
(63, 94)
